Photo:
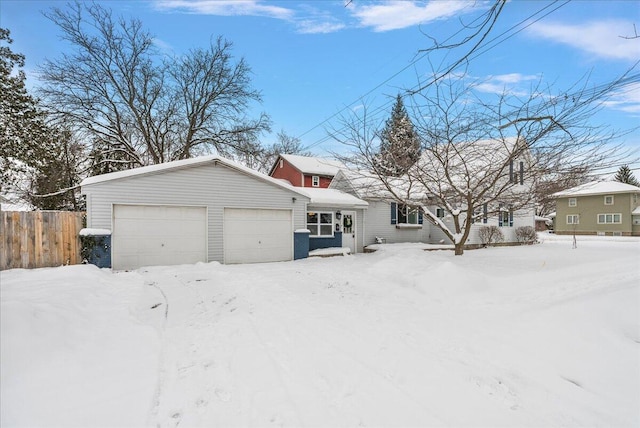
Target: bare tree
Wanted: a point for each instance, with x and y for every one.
(138, 107)
(483, 158)
(263, 157)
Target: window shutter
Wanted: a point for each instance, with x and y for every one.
(521, 172)
(510, 217)
(484, 213)
(394, 213)
(500, 215)
(511, 180)
(420, 219)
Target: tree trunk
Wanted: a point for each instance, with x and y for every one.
(459, 249)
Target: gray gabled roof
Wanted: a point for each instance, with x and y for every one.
(188, 163)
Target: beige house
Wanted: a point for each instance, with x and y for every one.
(598, 208)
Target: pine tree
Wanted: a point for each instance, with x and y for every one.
(21, 124)
(399, 143)
(34, 156)
(624, 175)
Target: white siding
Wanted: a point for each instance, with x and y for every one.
(214, 186)
(378, 223)
(523, 217)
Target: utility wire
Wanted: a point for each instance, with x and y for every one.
(496, 41)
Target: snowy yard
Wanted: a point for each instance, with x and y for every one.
(533, 336)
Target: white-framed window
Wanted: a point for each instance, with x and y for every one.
(504, 218)
(407, 215)
(315, 181)
(573, 202)
(613, 218)
(320, 224)
(608, 200)
(573, 219)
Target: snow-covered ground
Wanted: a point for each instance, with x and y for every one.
(541, 335)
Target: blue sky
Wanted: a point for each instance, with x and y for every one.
(314, 60)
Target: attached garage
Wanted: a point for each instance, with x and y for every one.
(147, 235)
(257, 235)
(202, 209)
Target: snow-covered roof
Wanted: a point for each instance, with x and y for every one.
(540, 218)
(368, 186)
(598, 188)
(186, 163)
(333, 198)
(636, 211)
(314, 165)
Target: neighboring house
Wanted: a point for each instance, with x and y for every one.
(543, 223)
(212, 209)
(305, 171)
(598, 208)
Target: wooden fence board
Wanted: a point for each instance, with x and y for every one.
(34, 239)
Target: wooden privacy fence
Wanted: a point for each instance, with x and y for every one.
(34, 239)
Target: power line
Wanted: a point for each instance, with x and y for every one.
(486, 47)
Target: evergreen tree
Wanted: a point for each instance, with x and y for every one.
(624, 175)
(21, 124)
(36, 158)
(399, 143)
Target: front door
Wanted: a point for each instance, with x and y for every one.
(349, 230)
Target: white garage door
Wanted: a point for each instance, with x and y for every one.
(158, 235)
(255, 235)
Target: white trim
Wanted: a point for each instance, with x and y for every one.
(315, 181)
(354, 216)
(612, 218)
(408, 208)
(575, 202)
(573, 217)
(311, 235)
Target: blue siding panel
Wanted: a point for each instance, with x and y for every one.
(336, 241)
(300, 245)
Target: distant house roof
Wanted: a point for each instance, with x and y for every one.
(333, 198)
(598, 188)
(313, 165)
(186, 163)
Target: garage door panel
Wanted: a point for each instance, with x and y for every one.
(257, 235)
(146, 235)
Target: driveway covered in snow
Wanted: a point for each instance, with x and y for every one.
(529, 336)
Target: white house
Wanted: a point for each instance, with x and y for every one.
(212, 209)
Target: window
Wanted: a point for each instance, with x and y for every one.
(573, 219)
(320, 224)
(504, 218)
(407, 215)
(315, 181)
(440, 212)
(573, 202)
(608, 200)
(610, 218)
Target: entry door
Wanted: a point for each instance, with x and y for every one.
(349, 230)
